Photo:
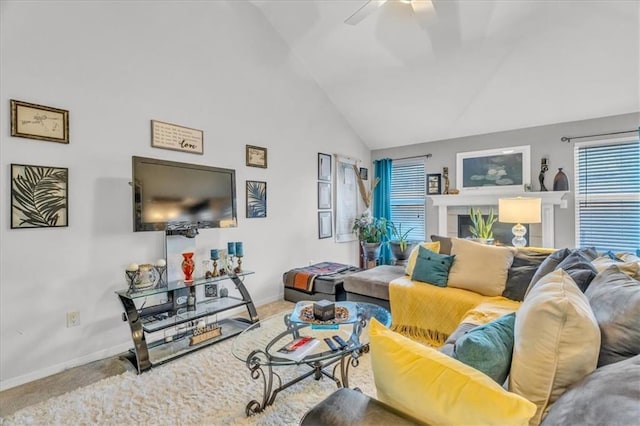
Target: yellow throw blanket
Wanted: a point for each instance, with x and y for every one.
(429, 314)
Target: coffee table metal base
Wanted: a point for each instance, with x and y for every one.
(342, 361)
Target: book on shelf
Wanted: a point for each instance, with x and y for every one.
(298, 348)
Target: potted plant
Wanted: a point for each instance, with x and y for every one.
(370, 231)
(400, 245)
(480, 228)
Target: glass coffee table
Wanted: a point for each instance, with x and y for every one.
(258, 347)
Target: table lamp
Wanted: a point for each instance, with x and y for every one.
(519, 210)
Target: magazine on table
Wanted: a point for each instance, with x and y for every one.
(298, 348)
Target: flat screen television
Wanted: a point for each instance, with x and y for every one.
(168, 195)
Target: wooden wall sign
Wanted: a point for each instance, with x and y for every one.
(177, 138)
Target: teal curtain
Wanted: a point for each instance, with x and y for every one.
(382, 201)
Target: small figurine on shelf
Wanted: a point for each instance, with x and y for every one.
(445, 176)
(543, 169)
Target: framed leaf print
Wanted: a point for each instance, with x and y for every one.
(39, 196)
(256, 199)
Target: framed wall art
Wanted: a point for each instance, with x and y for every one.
(177, 138)
(346, 199)
(39, 196)
(364, 173)
(324, 195)
(39, 122)
(325, 225)
(434, 184)
(502, 169)
(324, 167)
(256, 156)
(256, 199)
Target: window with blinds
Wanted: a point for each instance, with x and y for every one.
(408, 189)
(608, 195)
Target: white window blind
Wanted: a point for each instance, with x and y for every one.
(608, 195)
(408, 188)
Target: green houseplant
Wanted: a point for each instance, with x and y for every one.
(481, 228)
(371, 232)
(400, 244)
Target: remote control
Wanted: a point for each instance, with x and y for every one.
(331, 345)
(340, 341)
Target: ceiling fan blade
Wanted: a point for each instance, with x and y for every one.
(364, 11)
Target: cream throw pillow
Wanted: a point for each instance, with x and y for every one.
(557, 341)
(631, 268)
(413, 256)
(479, 267)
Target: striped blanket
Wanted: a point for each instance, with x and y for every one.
(303, 278)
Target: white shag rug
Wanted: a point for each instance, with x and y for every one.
(209, 386)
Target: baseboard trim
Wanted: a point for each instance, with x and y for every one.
(102, 354)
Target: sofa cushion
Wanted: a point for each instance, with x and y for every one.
(445, 243)
(579, 267)
(432, 268)
(615, 300)
(608, 396)
(373, 282)
(438, 389)
(547, 266)
(524, 266)
(479, 267)
(556, 341)
(488, 347)
(629, 267)
(411, 261)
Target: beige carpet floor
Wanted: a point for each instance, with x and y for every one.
(209, 386)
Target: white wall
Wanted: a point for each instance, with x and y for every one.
(544, 142)
(215, 66)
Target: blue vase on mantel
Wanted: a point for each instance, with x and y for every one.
(560, 182)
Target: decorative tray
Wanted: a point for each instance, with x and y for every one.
(346, 312)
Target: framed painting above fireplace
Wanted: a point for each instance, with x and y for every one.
(495, 170)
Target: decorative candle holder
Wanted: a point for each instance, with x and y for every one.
(131, 276)
(215, 272)
(162, 280)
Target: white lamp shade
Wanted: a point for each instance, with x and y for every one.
(519, 210)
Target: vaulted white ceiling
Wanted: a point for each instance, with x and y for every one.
(471, 67)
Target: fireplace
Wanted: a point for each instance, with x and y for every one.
(502, 234)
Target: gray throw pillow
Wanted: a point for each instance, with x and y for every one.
(608, 396)
(548, 265)
(579, 268)
(615, 300)
(488, 347)
(445, 243)
(524, 266)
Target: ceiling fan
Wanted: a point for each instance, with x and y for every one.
(421, 9)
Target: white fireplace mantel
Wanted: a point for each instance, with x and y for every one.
(550, 199)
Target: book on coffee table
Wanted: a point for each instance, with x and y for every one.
(298, 348)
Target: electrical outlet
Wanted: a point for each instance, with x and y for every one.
(73, 319)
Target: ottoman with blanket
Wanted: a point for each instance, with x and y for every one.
(321, 281)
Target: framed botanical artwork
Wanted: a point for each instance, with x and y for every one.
(325, 225)
(502, 169)
(256, 156)
(434, 184)
(177, 138)
(324, 195)
(256, 199)
(40, 122)
(364, 173)
(324, 167)
(39, 196)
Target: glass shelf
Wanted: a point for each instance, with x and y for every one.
(176, 285)
(203, 309)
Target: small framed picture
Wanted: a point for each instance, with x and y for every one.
(364, 173)
(39, 122)
(256, 156)
(324, 195)
(434, 184)
(325, 225)
(211, 290)
(256, 199)
(39, 196)
(324, 167)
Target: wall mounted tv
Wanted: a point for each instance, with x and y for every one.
(168, 195)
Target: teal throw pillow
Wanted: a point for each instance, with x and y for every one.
(432, 268)
(488, 347)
